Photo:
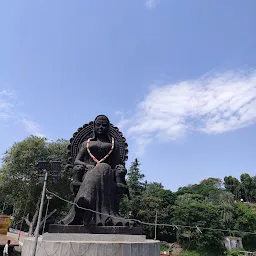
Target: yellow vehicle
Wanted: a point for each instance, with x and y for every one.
(5, 221)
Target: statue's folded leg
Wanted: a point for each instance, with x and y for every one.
(97, 192)
(72, 218)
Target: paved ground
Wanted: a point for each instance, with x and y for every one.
(9, 236)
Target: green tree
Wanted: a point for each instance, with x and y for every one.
(136, 184)
(190, 210)
(227, 208)
(205, 188)
(231, 184)
(157, 200)
(249, 187)
(207, 205)
(244, 189)
(20, 181)
(245, 216)
(135, 178)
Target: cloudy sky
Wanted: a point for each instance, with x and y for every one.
(178, 77)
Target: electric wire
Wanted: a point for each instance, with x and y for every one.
(176, 226)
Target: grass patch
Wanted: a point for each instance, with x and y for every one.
(197, 253)
(235, 252)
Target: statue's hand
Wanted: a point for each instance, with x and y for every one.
(83, 167)
(89, 167)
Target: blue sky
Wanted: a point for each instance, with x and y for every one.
(178, 77)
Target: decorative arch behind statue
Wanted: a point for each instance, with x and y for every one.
(85, 132)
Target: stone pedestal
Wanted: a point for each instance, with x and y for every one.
(53, 244)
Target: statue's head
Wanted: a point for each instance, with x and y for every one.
(101, 125)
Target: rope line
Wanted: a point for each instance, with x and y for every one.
(176, 226)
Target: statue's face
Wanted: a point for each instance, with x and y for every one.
(101, 125)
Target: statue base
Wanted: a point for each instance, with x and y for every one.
(55, 228)
(92, 245)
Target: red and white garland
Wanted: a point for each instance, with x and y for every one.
(105, 157)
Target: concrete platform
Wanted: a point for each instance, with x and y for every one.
(92, 245)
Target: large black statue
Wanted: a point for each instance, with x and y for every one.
(97, 155)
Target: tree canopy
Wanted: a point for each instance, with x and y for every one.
(20, 184)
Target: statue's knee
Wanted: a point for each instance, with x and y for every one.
(105, 166)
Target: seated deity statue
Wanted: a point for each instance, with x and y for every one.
(97, 155)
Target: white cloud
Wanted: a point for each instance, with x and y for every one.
(7, 93)
(6, 104)
(123, 120)
(214, 103)
(32, 127)
(152, 3)
(10, 115)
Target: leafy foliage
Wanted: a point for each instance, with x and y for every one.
(235, 252)
(244, 189)
(189, 211)
(20, 186)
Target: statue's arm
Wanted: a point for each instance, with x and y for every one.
(120, 172)
(116, 158)
(80, 156)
